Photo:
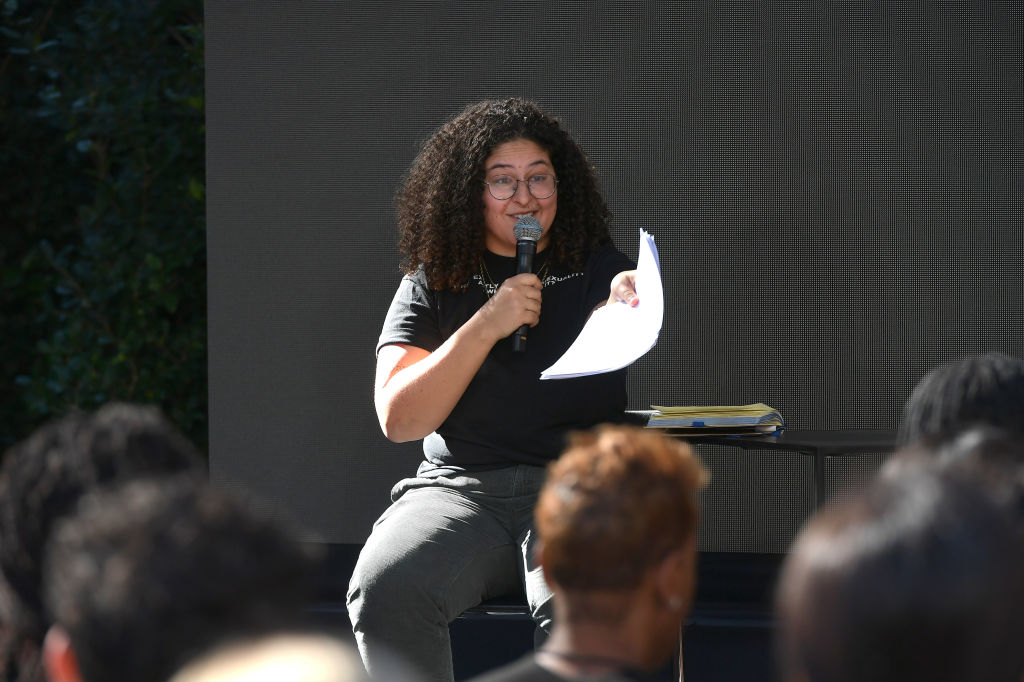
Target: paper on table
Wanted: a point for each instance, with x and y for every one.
(616, 335)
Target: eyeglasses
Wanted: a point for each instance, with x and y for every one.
(504, 187)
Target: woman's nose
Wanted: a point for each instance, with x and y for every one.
(523, 186)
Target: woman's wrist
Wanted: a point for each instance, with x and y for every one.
(479, 329)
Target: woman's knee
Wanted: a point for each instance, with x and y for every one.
(381, 584)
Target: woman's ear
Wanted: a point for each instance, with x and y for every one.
(540, 557)
(677, 577)
(59, 658)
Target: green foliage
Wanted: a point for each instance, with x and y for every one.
(102, 210)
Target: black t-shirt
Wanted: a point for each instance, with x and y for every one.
(527, 669)
(507, 414)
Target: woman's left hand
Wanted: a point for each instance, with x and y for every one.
(623, 288)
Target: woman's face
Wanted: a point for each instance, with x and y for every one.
(521, 160)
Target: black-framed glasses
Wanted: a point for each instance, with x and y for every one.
(503, 187)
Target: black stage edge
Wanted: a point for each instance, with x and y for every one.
(728, 633)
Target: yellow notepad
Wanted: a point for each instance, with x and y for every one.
(717, 416)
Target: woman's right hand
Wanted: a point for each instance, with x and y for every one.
(416, 389)
(516, 302)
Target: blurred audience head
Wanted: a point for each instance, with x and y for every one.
(616, 522)
(145, 577)
(982, 452)
(42, 479)
(980, 390)
(278, 658)
(918, 578)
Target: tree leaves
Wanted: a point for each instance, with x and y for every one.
(102, 210)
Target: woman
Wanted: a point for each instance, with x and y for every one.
(617, 525)
(460, 531)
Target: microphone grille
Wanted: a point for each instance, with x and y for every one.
(527, 228)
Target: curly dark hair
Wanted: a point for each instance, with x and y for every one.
(440, 202)
(986, 389)
(926, 558)
(42, 479)
(149, 575)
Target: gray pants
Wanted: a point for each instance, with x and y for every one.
(444, 545)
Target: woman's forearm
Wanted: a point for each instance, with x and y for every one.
(421, 389)
(416, 389)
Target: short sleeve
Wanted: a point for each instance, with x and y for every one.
(412, 318)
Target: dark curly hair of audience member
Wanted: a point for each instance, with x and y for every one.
(984, 389)
(147, 576)
(617, 502)
(440, 202)
(42, 479)
(918, 578)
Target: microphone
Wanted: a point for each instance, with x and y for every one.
(527, 232)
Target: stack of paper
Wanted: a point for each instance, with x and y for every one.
(617, 334)
(756, 418)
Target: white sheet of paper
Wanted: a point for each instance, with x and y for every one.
(617, 335)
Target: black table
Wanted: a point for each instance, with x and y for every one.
(819, 444)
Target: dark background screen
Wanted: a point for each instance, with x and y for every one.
(835, 191)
